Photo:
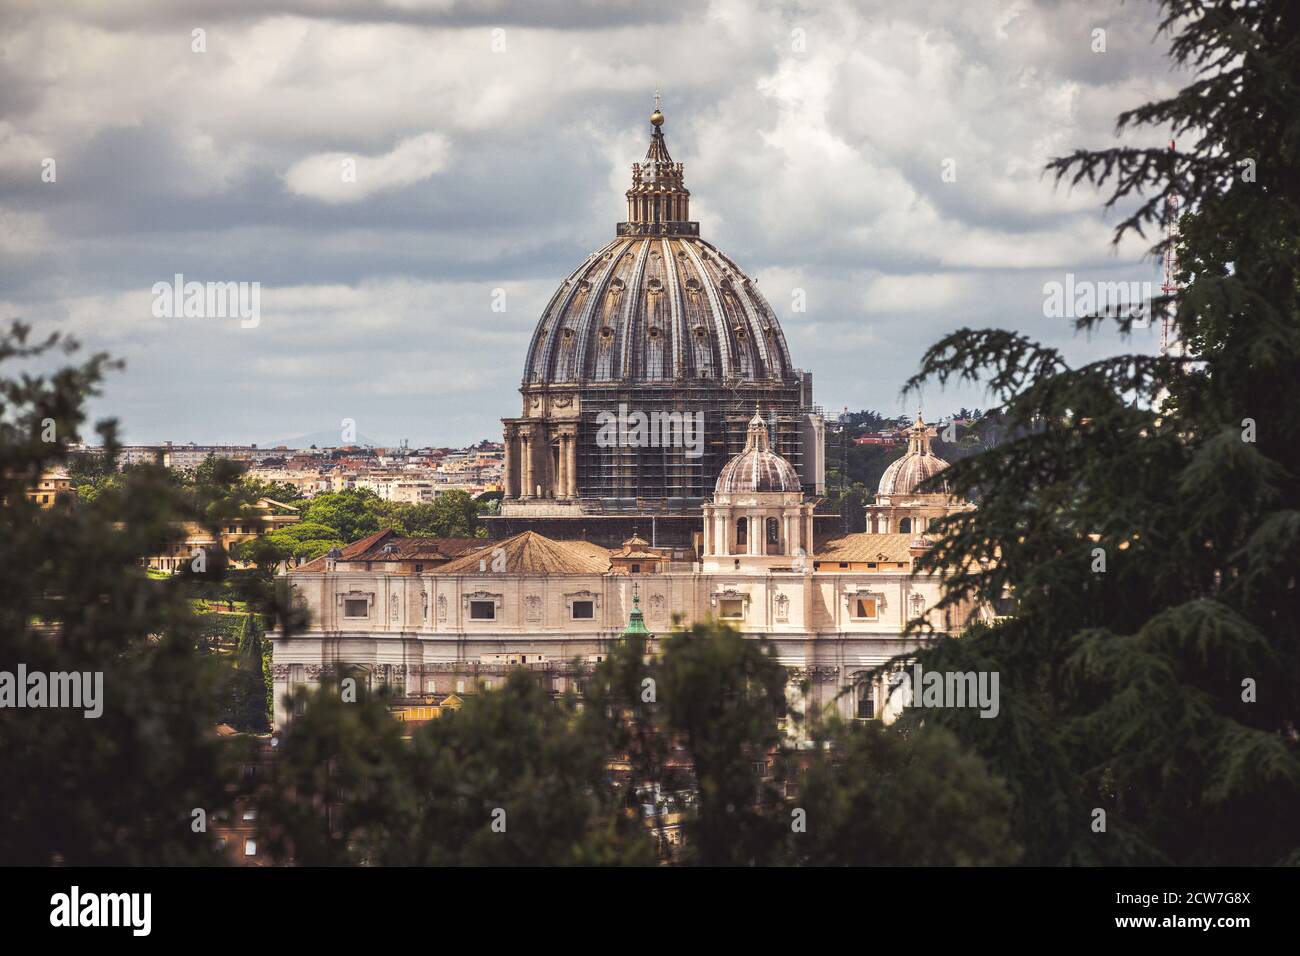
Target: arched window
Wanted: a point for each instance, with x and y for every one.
(773, 536)
(905, 526)
(742, 532)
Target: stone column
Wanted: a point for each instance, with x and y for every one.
(572, 448)
(526, 453)
(560, 488)
(509, 481)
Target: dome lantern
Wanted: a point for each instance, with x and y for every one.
(658, 204)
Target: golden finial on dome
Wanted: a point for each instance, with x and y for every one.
(657, 117)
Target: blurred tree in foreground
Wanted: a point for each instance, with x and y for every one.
(700, 727)
(511, 778)
(1144, 513)
(119, 788)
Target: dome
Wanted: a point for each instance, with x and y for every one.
(903, 476)
(658, 304)
(757, 468)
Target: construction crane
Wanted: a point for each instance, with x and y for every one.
(1168, 334)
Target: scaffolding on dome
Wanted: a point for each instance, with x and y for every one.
(622, 478)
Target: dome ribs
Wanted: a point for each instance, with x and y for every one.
(635, 296)
(676, 306)
(596, 292)
(538, 367)
(718, 315)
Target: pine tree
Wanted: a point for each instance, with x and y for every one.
(1143, 513)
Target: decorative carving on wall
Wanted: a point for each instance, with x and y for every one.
(442, 607)
(853, 591)
(533, 607)
(424, 606)
(782, 608)
(480, 596)
(396, 613)
(729, 593)
(817, 673)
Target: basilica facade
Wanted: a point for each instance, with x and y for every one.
(656, 323)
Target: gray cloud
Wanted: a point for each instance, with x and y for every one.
(816, 168)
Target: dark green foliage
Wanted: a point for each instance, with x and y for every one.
(247, 710)
(883, 796)
(723, 696)
(1123, 689)
(120, 788)
(353, 515)
(702, 726)
(510, 758)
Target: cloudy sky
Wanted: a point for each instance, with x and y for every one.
(492, 144)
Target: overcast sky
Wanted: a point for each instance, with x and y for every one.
(493, 142)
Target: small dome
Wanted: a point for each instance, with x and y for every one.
(757, 468)
(903, 475)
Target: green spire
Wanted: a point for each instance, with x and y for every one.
(636, 622)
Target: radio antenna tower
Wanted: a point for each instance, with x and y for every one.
(1168, 334)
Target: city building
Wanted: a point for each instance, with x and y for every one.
(658, 321)
(52, 486)
(265, 516)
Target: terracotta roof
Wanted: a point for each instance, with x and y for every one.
(371, 548)
(413, 549)
(366, 543)
(532, 553)
(865, 546)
